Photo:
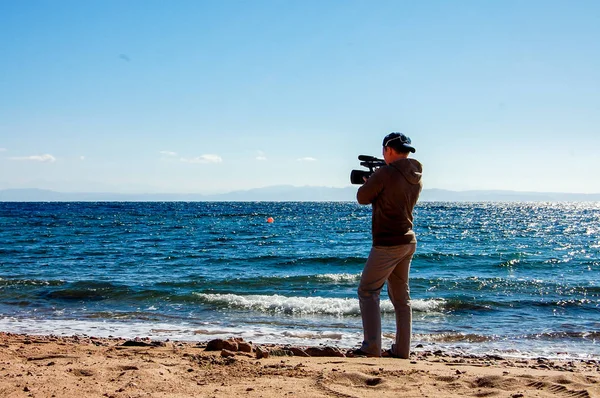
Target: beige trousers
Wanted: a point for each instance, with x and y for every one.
(391, 264)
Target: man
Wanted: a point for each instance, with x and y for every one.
(393, 191)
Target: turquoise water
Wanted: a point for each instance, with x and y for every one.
(513, 279)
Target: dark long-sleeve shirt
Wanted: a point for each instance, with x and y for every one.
(393, 191)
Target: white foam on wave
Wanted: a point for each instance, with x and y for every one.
(339, 278)
(69, 327)
(307, 305)
(283, 304)
(431, 305)
(185, 331)
(313, 335)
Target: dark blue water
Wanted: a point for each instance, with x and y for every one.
(516, 279)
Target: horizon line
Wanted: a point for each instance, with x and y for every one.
(495, 190)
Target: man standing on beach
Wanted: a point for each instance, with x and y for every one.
(393, 191)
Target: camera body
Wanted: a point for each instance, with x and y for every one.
(370, 162)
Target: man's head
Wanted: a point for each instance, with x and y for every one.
(396, 146)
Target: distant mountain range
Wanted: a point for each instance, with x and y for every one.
(285, 193)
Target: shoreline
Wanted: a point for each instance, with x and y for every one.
(518, 349)
(53, 366)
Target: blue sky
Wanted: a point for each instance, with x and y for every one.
(214, 96)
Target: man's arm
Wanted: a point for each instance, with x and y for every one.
(368, 192)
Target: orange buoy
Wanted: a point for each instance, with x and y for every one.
(270, 220)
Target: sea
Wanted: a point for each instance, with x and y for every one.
(510, 279)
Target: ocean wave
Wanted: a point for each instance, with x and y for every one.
(89, 291)
(305, 261)
(337, 278)
(278, 260)
(312, 335)
(456, 337)
(332, 260)
(278, 304)
(30, 282)
(453, 337)
(509, 284)
(587, 335)
(282, 304)
(464, 305)
(482, 305)
(267, 280)
(122, 315)
(564, 303)
(320, 278)
(510, 263)
(174, 291)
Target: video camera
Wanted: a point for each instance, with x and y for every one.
(371, 162)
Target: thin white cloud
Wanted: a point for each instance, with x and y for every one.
(168, 153)
(307, 159)
(36, 158)
(3, 149)
(260, 155)
(82, 158)
(203, 159)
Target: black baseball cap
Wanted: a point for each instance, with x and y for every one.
(399, 142)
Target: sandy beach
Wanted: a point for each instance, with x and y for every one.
(50, 366)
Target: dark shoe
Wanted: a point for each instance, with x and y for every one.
(360, 353)
(390, 354)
